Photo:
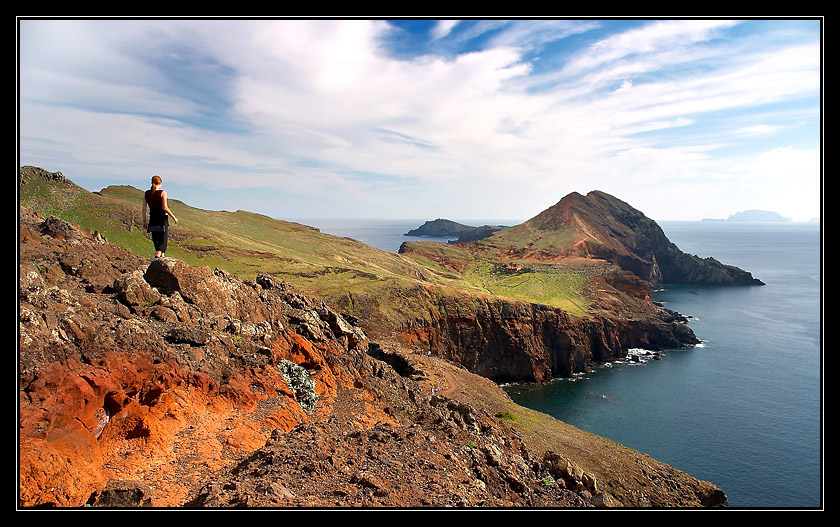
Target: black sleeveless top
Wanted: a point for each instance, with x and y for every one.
(157, 216)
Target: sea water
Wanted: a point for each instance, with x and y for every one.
(742, 410)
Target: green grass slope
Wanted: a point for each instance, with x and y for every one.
(334, 268)
(503, 275)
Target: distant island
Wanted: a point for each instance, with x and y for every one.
(442, 228)
(762, 216)
(758, 215)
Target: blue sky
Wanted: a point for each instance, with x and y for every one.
(492, 119)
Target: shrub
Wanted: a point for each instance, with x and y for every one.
(300, 383)
(507, 416)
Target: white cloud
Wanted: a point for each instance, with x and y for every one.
(309, 102)
(443, 28)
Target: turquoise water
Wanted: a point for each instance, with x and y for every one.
(743, 410)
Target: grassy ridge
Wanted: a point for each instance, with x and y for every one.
(332, 267)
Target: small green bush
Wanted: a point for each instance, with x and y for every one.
(507, 416)
(300, 382)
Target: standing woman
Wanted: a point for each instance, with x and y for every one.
(159, 213)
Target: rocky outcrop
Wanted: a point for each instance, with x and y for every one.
(162, 384)
(27, 173)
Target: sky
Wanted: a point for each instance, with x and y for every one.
(683, 119)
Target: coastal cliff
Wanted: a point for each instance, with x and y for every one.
(508, 340)
(158, 383)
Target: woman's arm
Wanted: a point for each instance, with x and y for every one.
(166, 206)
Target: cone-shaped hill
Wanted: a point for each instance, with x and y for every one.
(599, 226)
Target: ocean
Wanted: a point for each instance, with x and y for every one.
(744, 408)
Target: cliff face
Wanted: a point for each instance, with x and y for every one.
(510, 341)
(157, 383)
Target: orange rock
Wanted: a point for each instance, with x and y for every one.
(61, 472)
(245, 436)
